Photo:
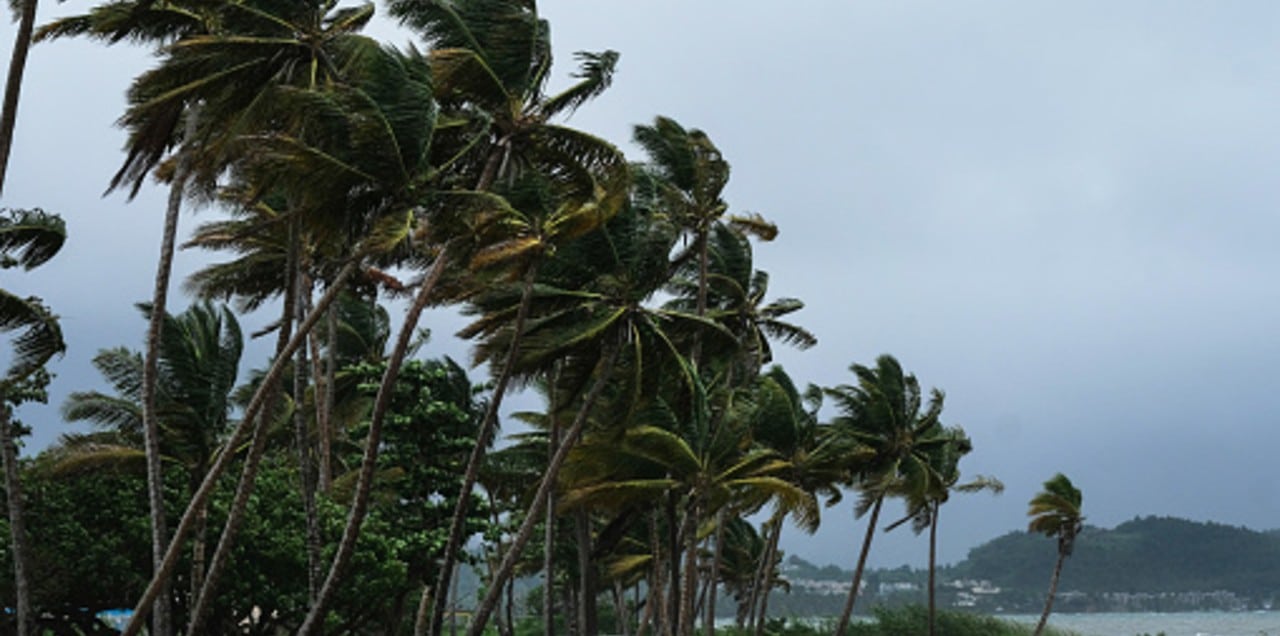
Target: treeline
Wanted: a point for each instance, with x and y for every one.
(337, 487)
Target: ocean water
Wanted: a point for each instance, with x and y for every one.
(1172, 624)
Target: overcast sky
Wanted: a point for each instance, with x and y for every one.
(1063, 215)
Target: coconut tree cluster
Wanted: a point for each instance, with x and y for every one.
(358, 181)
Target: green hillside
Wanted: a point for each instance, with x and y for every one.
(1147, 564)
(1151, 554)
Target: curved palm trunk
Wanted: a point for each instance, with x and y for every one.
(201, 497)
(17, 527)
(13, 85)
(843, 626)
(249, 472)
(1053, 591)
(364, 483)
(603, 373)
(162, 621)
(457, 523)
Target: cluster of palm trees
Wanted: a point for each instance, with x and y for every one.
(626, 293)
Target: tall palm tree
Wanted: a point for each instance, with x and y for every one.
(490, 60)
(201, 88)
(28, 238)
(1055, 512)
(883, 413)
(924, 501)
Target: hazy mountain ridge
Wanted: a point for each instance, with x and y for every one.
(1146, 564)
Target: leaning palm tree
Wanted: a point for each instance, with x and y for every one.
(883, 413)
(490, 61)
(28, 238)
(1055, 512)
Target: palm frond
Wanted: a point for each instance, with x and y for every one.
(29, 238)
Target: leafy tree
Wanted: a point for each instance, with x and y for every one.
(1055, 512)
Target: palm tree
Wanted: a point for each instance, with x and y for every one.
(28, 238)
(1055, 512)
(490, 61)
(883, 413)
(199, 358)
(589, 315)
(925, 501)
(206, 82)
(787, 423)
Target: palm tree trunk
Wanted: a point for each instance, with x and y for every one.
(549, 532)
(457, 523)
(1053, 591)
(603, 373)
(364, 484)
(13, 85)
(622, 622)
(766, 579)
(689, 588)
(843, 625)
(674, 526)
(714, 576)
(249, 472)
(199, 533)
(420, 617)
(324, 410)
(653, 593)
(933, 569)
(162, 621)
(586, 574)
(301, 438)
(17, 526)
(251, 412)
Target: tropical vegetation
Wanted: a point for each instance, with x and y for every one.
(338, 488)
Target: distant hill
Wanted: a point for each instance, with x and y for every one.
(1147, 564)
(1150, 554)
